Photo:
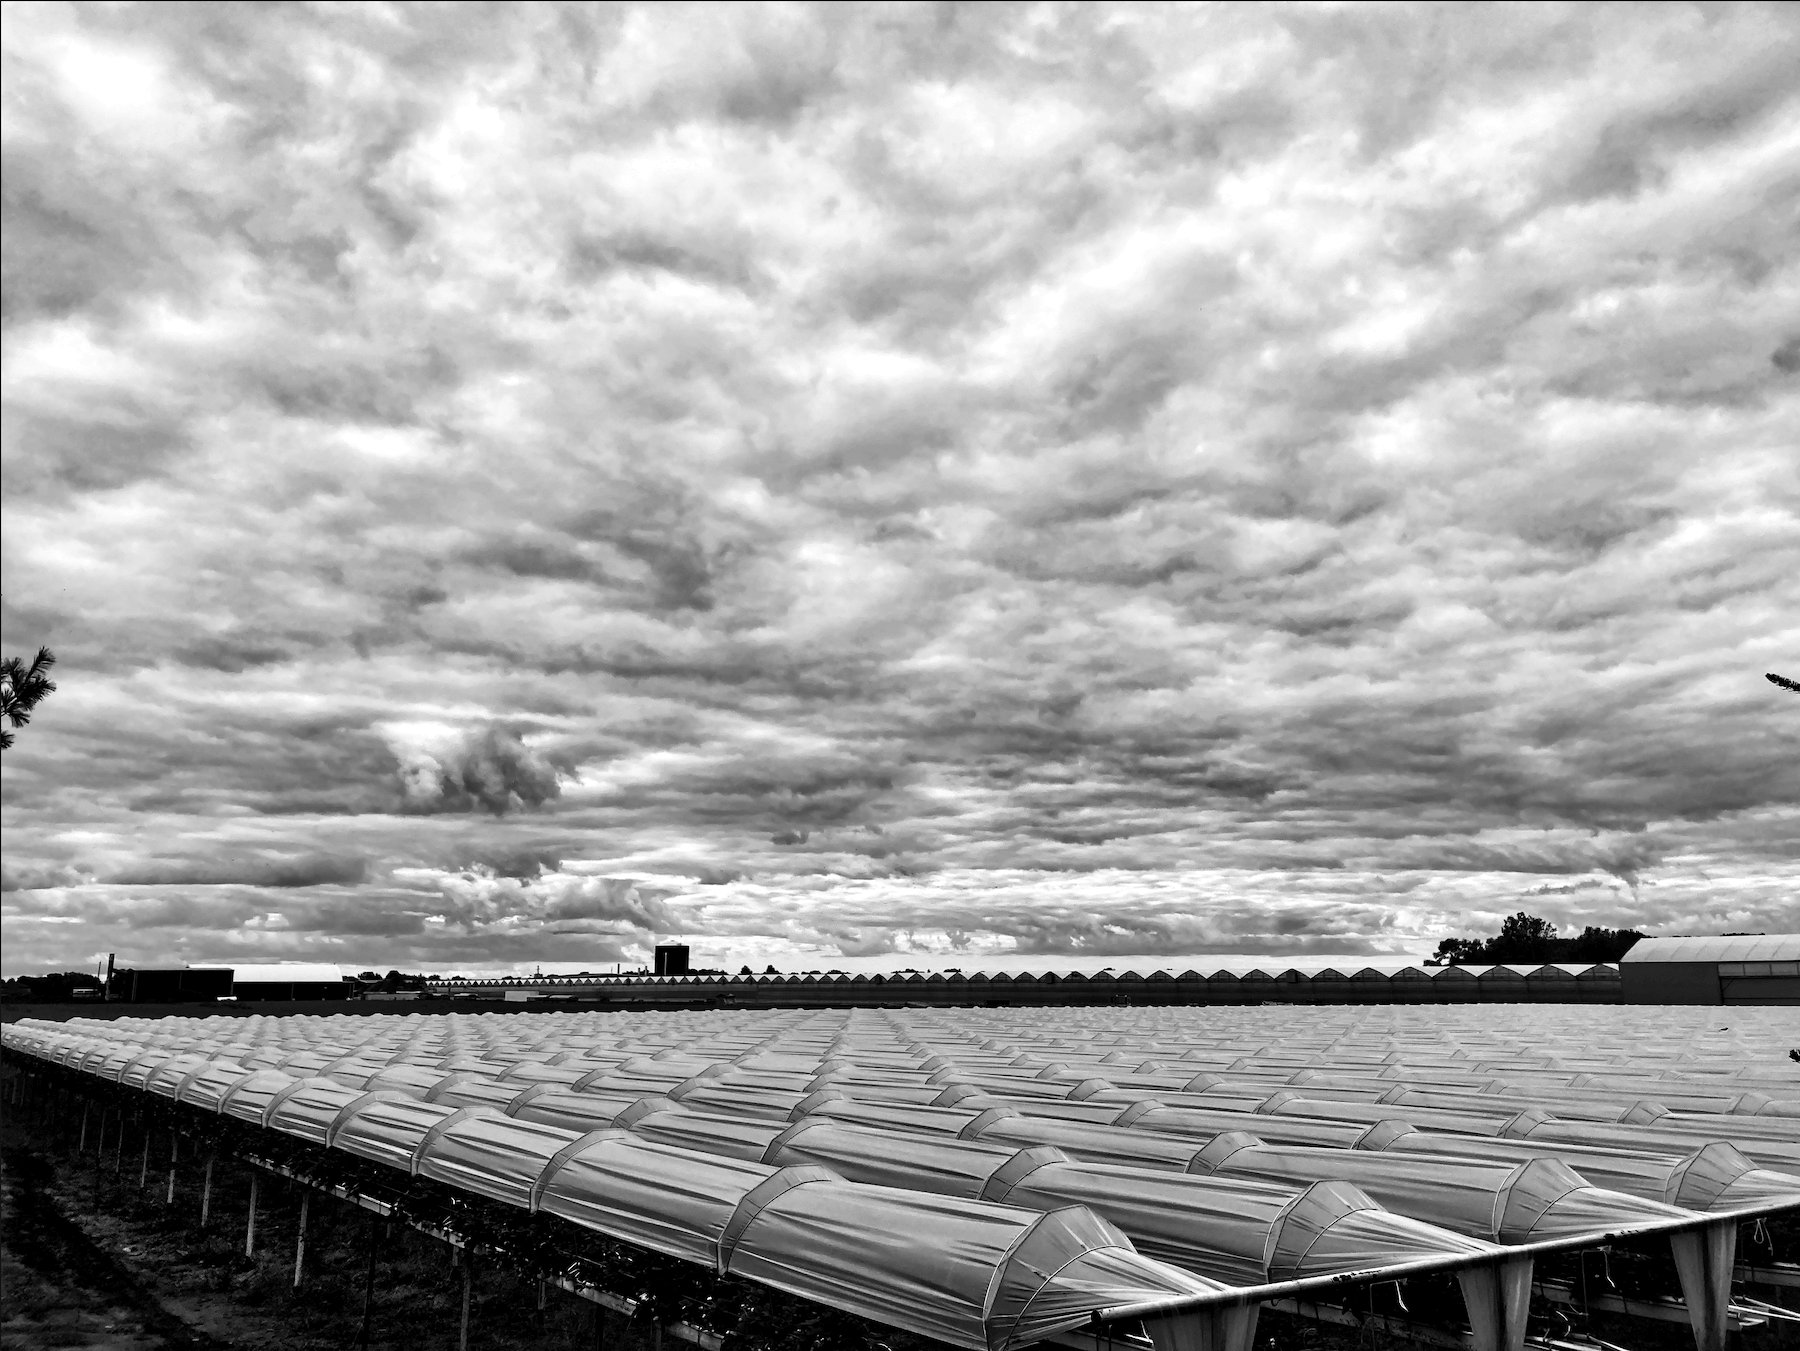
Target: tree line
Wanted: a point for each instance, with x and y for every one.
(1527, 938)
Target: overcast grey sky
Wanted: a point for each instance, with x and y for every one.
(897, 484)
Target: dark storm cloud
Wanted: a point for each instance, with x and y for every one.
(491, 769)
(1118, 480)
(305, 870)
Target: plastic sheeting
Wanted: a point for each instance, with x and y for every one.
(1507, 1202)
(703, 1132)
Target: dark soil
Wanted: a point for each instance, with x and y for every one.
(88, 1260)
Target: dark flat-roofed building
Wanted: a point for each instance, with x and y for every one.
(1724, 969)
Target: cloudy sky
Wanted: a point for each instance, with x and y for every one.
(897, 485)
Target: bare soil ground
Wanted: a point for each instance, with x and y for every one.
(88, 1260)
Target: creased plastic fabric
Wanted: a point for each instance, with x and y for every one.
(494, 1156)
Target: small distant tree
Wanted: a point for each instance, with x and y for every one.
(1522, 938)
(23, 688)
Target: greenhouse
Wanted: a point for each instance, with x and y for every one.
(992, 1178)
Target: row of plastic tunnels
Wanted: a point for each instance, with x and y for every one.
(991, 1179)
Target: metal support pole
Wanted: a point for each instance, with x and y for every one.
(369, 1294)
(462, 1342)
(300, 1238)
(174, 1152)
(206, 1190)
(144, 1167)
(599, 1327)
(81, 1147)
(250, 1224)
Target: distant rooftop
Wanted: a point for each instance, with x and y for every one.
(1717, 948)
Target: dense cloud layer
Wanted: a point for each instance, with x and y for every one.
(884, 484)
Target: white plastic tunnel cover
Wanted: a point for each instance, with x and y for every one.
(1714, 1177)
(918, 1261)
(1506, 1202)
(974, 1275)
(1239, 1231)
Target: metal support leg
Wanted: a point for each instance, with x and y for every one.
(250, 1223)
(300, 1238)
(462, 1342)
(1231, 1328)
(1497, 1296)
(144, 1167)
(81, 1147)
(206, 1190)
(174, 1152)
(369, 1295)
(1703, 1261)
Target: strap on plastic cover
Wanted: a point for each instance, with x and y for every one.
(356, 1105)
(1219, 1150)
(1016, 1169)
(282, 1095)
(988, 1117)
(192, 1075)
(427, 1140)
(563, 1155)
(799, 1127)
(1136, 1110)
(813, 1101)
(526, 1095)
(760, 1196)
(1521, 1126)
(1383, 1134)
(640, 1109)
(450, 1081)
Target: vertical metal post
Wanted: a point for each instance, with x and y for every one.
(174, 1152)
(369, 1291)
(250, 1224)
(540, 1307)
(462, 1343)
(300, 1237)
(81, 1147)
(144, 1167)
(599, 1327)
(206, 1190)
